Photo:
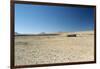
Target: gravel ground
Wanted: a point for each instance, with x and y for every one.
(31, 50)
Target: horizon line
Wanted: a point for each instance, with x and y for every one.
(52, 32)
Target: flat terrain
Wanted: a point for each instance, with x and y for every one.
(31, 50)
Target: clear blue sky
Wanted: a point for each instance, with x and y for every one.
(41, 18)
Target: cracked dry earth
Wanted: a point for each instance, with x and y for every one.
(31, 50)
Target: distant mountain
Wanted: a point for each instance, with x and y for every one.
(16, 33)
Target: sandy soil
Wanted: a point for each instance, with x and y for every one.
(31, 50)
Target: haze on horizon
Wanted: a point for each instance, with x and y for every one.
(41, 18)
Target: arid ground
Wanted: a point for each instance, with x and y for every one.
(31, 50)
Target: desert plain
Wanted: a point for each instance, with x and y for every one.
(48, 49)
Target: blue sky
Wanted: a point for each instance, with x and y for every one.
(41, 18)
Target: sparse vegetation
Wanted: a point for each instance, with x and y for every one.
(22, 43)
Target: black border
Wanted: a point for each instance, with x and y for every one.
(12, 7)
